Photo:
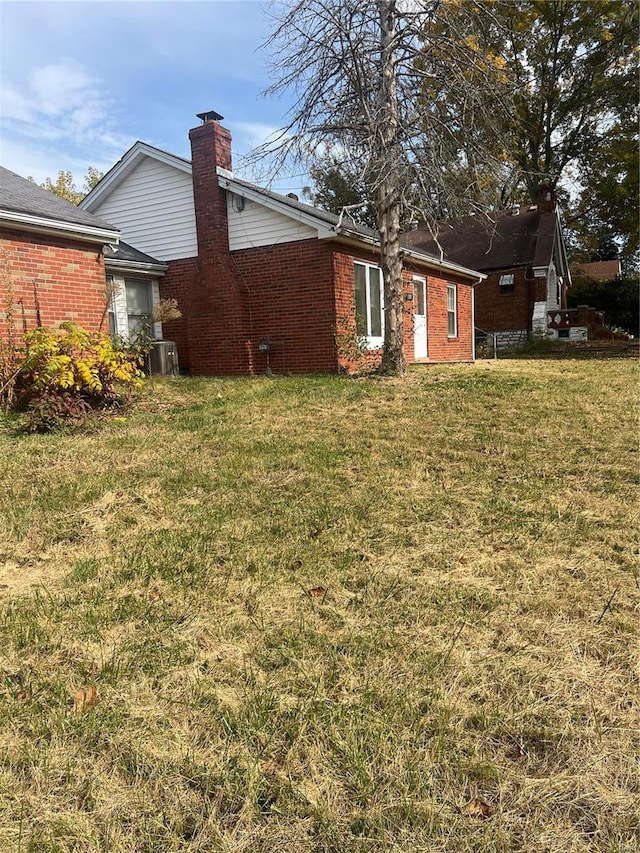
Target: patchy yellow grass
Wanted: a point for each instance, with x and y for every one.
(463, 677)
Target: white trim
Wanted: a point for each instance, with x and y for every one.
(119, 301)
(373, 341)
(135, 267)
(354, 238)
(452, 285)
(422, 280)
(473, 324)
(127, 163)
(56, 227)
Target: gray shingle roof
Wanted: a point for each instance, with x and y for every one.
(511, 241)
(125, 252)
(21, 196)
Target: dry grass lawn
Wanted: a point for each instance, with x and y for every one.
(328, 615)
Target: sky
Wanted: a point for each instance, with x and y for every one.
(81, 81)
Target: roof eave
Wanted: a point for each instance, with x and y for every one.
(428, 261)
(135, 267)
(58, 228)
(227, 182)
(125, 165)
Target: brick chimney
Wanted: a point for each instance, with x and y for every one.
(546, 198)
(216, 310)
(210, 148)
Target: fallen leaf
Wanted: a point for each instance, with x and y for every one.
(85, 699)
(154, 594)
(476, 808)
(318, 591)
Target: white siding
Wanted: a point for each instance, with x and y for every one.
(256, 225)
(153, 207)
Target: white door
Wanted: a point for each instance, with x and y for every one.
(419, 318)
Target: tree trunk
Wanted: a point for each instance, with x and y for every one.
(389, 195)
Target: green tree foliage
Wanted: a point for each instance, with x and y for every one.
(570, 64)
(563, 111)
(64, 185)
(607, 212)
(619, 299)
(336, 187)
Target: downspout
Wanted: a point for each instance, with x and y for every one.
(473, 320)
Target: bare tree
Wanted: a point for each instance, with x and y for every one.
(358, 70)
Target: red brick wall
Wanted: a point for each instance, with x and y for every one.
(177, 284)
(285, 292)
(300, 294)
(289, 291)
(68, 276)
(288, 294)
(439, 346)
(497, 311)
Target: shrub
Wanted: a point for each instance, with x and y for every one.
(65, 376)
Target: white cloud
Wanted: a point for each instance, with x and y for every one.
(251, 134)
(63, 105)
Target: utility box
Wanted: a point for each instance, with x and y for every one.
(164, 359)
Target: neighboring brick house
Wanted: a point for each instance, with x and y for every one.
(60, 263)
(522, 252)
(263, 280)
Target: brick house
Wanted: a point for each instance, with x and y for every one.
(263, 280)
(522, 253)
(60, 263)
(51, 258)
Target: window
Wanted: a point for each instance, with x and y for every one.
(138, 296)
(452, 310)
(112, 305)
(369, 304)
(507, 282)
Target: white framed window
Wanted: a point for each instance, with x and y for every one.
(507, 282)
(369, 304)
(130, 307)
(452, 310)
(111, 308)
(139, 302)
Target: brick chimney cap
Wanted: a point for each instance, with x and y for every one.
(209, 116)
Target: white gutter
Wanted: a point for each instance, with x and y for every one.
(473, 322)
(58, 228)
(427, 260)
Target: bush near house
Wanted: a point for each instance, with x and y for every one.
(60, 377)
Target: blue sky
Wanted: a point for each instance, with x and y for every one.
(80, 82)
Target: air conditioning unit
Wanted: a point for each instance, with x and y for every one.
(164, 359)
